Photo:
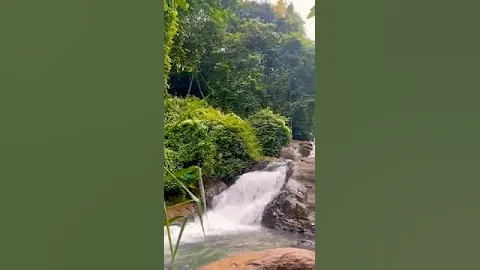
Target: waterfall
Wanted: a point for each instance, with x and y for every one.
(239, 208)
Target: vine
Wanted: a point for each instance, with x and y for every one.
(170, 9)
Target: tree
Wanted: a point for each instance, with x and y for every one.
(245, 56)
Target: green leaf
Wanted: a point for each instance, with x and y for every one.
(167, 225)
(184, 222)
(312, 13)
(180, 204)
(173, 219)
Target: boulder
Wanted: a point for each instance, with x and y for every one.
(297, 149)
(305, 150)
(306, 244)
(289, 153)
(288, 210)
(260, 165)
(271, 259)
(212, 189)
(293, 209)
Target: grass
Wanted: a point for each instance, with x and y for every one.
(200, 209)
(200, 202)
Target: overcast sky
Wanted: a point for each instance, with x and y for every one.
(303, 8)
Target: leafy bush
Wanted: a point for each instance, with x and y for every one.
(271, 131)
(235, 141)
(223, 145)
(189, 144)
(171, 187)
(176, 112)
(190, 140)
(176, 107)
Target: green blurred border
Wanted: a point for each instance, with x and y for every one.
(162, 109)
(81, 135)
(397, 145)
(318, 130)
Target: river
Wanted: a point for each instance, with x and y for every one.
(233, 223)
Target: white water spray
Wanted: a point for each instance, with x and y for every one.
(239, 208)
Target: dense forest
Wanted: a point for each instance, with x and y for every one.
(239, 85)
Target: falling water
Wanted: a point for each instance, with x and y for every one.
(239, 208)
(233, 224)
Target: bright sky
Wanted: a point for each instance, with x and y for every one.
(303, 8)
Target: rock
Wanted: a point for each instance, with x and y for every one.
(306, 244)
(271, 259)
(212, 189)
(260, 165)
(275, 165)
(297, 149)
(293, 209)
(288, 210)
(305, 148)
(304, 152)
(288, 153)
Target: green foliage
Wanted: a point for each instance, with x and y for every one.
(182, 180)
(235, 142)
(200, 26)
(271, 130)
(246, 57)
(176, 107)
(171, 164)
(312, 13)
(192, 146)
(200, 205)
(243, 57)
(304, 122)
(170, 9)
(224, 145)
(178, 153)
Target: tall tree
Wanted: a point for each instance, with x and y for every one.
(246, 56)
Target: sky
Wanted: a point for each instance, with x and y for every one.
(303, 8)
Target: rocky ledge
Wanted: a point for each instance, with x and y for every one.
(270, 259)
(293, 209)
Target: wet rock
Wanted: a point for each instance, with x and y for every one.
(297, 149)
(306, 145)
(288, 210)
(306, 244)
(260, 165)
(304, 152)
(212, 189)
(271, 259)
(289, 153)
(293, 209)
(274, 165)
(305, 148)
